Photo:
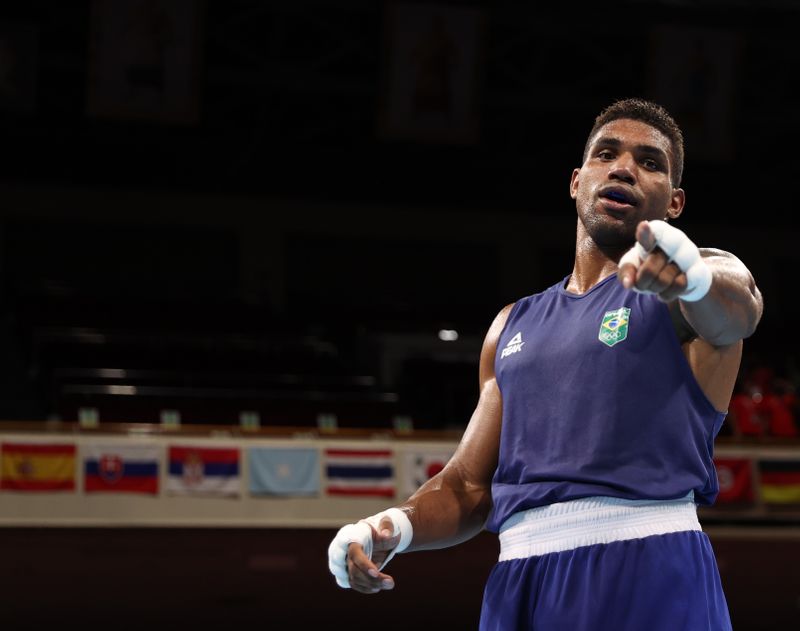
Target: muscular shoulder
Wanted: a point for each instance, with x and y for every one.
(707, 252)
(499, 322)
(490, 342)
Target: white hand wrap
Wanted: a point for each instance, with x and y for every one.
(682, 251)
(361, 533)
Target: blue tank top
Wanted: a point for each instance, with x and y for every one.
(598, 399)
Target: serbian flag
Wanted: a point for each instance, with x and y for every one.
(780, 481)
(121, 469)
(203, 471)
(360, 472)
(37, 467)
(735, 480)
(420, 466)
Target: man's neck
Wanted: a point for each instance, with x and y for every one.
(584, 277)
(592, 264)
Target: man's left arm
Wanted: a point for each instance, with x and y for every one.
(732, 308)
(716, 293)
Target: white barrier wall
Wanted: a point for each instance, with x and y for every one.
(79, 508)
(407, 458)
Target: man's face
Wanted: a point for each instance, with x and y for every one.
(625, 179)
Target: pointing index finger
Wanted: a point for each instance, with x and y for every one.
(645, 236)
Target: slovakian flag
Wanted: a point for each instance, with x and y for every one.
(203, 471)
(421, 465)
(735, 477)
(284, 471)
(121, 469)
(360, 472)
(780, 481)
(37, 467)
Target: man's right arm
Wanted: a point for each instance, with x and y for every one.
(454, 505)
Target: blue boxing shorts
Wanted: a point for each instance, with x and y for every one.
(604, 563)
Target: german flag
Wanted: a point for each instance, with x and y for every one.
(780, 481)
(37, 467)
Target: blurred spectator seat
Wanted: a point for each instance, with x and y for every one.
(208, 369)
(120, 395)
(764, 405)
(744, 414)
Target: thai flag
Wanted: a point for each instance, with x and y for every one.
(360, 472)
(120, 469)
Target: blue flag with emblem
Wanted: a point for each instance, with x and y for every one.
(284, 471)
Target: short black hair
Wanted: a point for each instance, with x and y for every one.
(652, 114)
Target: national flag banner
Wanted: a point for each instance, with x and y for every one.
(37, 467)
(203, 471)
(120, 469)
(421, 465)
(284, 471)
(360, 472)
(735, 476)
(780, 481)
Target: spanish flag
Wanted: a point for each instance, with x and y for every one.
(37, 467)
(780, 481)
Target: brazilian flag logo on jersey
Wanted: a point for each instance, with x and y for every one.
(614, 327)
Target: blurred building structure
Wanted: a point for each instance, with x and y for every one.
(271, 217)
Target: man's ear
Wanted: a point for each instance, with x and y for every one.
(677, 202)
(573, 183)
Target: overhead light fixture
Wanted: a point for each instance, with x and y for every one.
(448, 335)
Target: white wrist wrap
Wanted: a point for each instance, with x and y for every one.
(337, 551)
(682, 251)
(361, 533)
(401, 525)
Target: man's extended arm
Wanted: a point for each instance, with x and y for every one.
(730, 309)
(713, 300)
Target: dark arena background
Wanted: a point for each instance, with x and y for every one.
(242, 231)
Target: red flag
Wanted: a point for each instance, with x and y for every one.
(735, 480)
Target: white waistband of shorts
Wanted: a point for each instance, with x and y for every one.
(590, 521)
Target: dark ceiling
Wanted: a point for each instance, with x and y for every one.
(287, 99)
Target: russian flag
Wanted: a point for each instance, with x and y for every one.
(360, 472)
(121, 469)
(203, 471)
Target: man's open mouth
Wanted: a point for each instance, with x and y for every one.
(619, 196)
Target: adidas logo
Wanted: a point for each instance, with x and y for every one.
(514, 346)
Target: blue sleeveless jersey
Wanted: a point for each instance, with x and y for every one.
(598, 399)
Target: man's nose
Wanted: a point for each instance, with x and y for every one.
(624, 168)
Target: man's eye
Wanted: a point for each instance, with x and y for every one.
(651, 164)
(605, 155)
